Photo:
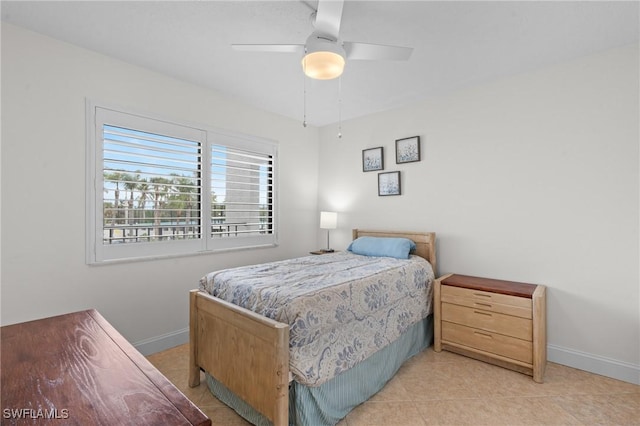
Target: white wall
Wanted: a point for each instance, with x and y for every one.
(44, 86)
(532, 178)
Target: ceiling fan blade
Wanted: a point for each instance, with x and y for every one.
(271, 48)
(368, 51)
(328, 17)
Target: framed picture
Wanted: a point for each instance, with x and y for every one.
(372, 159)
(408, 150)
(389, 183)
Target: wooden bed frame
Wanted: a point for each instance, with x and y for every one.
(249, 353)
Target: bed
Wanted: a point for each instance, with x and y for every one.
(262, 365)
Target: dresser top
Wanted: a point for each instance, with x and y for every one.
(78, 368)
(511, 288)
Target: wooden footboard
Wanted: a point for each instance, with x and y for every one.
(246, 352)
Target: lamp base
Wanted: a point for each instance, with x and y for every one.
(327, 250)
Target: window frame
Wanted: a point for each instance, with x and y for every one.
(98, 114)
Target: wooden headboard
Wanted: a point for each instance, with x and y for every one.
(425, 241)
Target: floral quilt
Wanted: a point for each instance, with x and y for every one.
(341, 307)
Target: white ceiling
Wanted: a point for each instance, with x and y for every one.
(456, 44)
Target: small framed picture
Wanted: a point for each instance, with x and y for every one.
(389, 183)
(408, 150)
(372, 159)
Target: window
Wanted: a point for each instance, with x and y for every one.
(158, 188)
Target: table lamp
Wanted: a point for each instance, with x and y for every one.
(328, 220)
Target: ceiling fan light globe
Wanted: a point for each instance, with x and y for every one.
(323, 65)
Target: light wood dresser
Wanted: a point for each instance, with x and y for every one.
(76, 369)
(496, 321)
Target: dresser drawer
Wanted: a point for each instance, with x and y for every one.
(522, 328)
(509, 347)
(493, 302)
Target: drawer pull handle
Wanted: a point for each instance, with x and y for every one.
(483, 334)
(482, 295)
(482, 313)
(488, 305)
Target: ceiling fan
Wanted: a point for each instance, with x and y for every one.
(324, 53)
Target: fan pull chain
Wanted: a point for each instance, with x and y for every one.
(339, 107)
(304, 94)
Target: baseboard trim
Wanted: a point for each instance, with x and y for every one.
(594, 364)
(162, 342)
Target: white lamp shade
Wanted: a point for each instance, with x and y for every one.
(328, 220)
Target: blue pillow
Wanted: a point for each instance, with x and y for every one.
(382, 247)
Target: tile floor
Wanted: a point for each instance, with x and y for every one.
(447, 389)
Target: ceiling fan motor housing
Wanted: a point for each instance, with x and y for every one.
(324, 57)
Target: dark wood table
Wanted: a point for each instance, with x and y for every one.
(76, 369)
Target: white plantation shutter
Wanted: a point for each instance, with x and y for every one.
(242, 177)
(151, 188)
(159, 188)
(242, 188)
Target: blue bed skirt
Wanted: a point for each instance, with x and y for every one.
(330, 402)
